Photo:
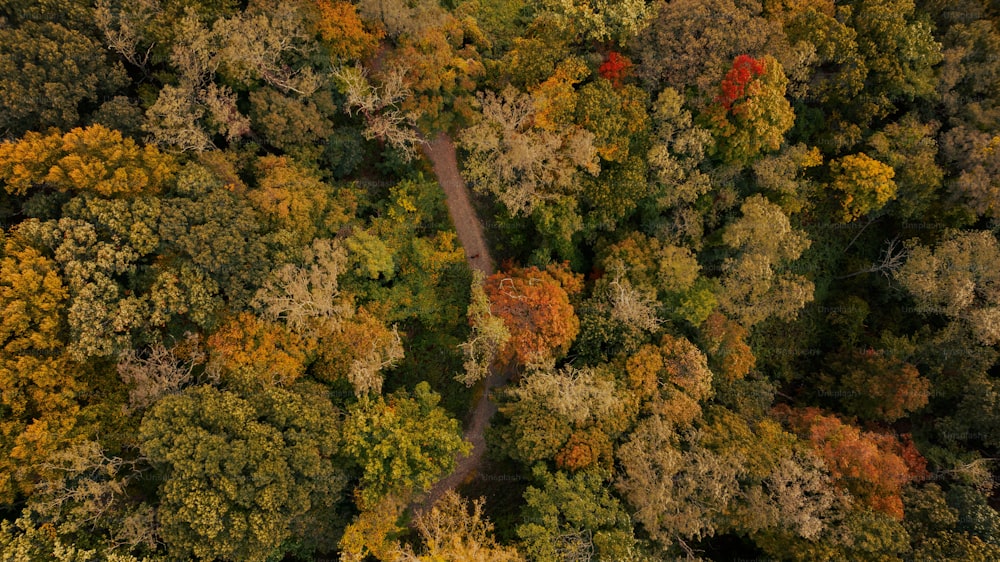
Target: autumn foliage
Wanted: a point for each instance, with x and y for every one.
(738, 82)
(725, 343)
(534, 305)
(615, 68)
(252, 348)
(93, 159)
(873, 466)
(341, 29)
(883, 387)
(750, 114)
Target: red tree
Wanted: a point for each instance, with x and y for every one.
(734, 85)
(615, 68)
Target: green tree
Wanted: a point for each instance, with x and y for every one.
(574, 516)
(567, 414)
(910, 148)
(600, 20)
(241, 473)
(49, 72)
(402, 444)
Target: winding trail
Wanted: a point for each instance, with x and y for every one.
(441, 153)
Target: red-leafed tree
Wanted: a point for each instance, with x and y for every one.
(750, 115)
(874, 467)
(615, 68)
(734, 86)
(534, 305)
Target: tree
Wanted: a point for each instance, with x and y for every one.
(782, 177)
(972, 153)
(308, 298)
(488, 335)
(340, 27)
(894, 27)
(874, 467)
(724, 342)
(574, 517)
(600, 20)
(159, 371)
(374, 532)
(441, 65)
(690, 44)
(92, 159)
(402, 444)
(48, 73)
(217, 229)
(615, 68)
(881, 387)
(648, 263)
(84, 494)
(361, 348)
(261, 44)
(753, 284)
(294, 199)
(750, 115)
(784, 487)
(288, 123)
(671, 380)
(239, 473)
(381, 107)
(39, 384)
(567, 414)
(399, 17)
(450, 532)
(865, 182)
(678, 146)
(909, 147)
(534, 306)
(521, 164)
(24, 540)
(676, 495)
(614, 116)
(248, 349)
(954, 279)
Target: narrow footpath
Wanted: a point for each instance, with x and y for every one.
(441, 153)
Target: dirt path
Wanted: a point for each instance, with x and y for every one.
(441, 153)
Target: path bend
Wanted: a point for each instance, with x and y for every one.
(441, 153)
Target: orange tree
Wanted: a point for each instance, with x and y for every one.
(874, 467)
(534, 305)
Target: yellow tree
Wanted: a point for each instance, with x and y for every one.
(750, 114)
(866, 184)
(93, 159)
(38, 388)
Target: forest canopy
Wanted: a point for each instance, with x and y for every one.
(499, 280)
